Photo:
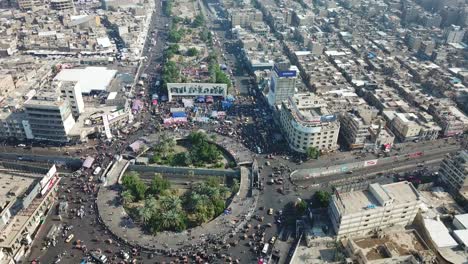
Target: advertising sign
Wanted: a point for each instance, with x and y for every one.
(194, 89)
(285, 73)
(305, 129)
(328, 118)
(368, 163)
(272, 84)
(48, 186)
(48, 176)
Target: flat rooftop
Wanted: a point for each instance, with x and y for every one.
(13, 186)
(356, 201)
(89, 78)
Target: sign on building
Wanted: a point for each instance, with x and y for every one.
(195, 89)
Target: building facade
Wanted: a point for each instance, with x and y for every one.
(50, 118)
(62, 5)
(306, 122)
(72, 92)
(19, 225)
(354, 131)
(282, 83)
(454, 171)
(358, 213)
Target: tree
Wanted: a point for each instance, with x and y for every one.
(192, 52)
(127, 197)
(158, 185)
(132, 182)
(199, 20)
(235, 186)
(323, 198)
(301, 207)
(312, 153)
(148, 210)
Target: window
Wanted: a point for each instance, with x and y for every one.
(365, 225)
(403, 216)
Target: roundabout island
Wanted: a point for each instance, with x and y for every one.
(194, 210)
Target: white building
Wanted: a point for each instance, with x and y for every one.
(306, 122)
(72, 92)
(282, 83)
(50, 117)
(454, 34)
(357, 213)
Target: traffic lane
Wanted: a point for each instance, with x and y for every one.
(370, 171)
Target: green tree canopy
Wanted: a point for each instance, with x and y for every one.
(158, 185)
(323, 198)
(132, 182)
(312, 153)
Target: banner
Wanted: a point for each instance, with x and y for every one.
(369, 163)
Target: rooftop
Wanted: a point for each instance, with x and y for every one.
(356, 201)
(89, 78)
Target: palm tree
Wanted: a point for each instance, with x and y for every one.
(127, 197)
(170, 202)
(146, 213)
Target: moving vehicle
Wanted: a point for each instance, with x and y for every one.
(69, 238)
(97, 171)
(265, 248)
(270, 211)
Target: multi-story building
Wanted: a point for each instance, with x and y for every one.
(354, 131)
(245, 17)
(357, 213)
(450, 118)
(454, 34)
(72, 92)
(306, 122)
(282, 83)
(62, 5)
(29, 4)
(454, 171)
(24, 202)
(50, 117)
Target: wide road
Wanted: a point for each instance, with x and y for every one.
(385, 164)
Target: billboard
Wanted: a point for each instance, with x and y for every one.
(286, 74)
(305, 129)
(194, 89)
(44, 181)
(369, 163)
(328, 118)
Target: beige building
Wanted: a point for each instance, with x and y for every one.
(18, 225)
(62, 5)
(245, 17)
(29, 4)
(454, 171)
(357, 213)
(6, 85)
(306, 122)
(354, 131)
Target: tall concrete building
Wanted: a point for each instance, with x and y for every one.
(29, 4)
(63, 5)
(354, 131)
(358, 213)
(306, 122)
(50, 117)
(454, 34)
(72, 92)
(454, 171)
(282, 83)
